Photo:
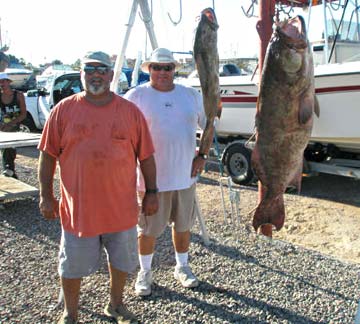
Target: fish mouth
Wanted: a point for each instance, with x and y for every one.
(294, 32)
(209, 15)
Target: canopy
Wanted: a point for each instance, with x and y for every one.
(301, 3)
(266, 14)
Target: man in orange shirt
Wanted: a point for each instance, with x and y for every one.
(97, 137)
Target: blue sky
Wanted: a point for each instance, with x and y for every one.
(40, 32)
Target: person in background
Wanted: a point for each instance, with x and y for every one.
(173, 113)
(97, 137)
(12, 113)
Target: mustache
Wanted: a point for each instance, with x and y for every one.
(96, 79)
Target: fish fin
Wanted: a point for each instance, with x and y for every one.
(256, 164)
(306, 109)
(316, 106)
(270, 211)
(219, 108)
(255, 160)
(296, 181)
(207, 136)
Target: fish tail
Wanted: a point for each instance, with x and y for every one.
(270, 211)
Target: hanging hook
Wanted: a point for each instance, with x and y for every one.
(281, 8)
(177, 22)
(151, 14)
(250, 12)
(334, 6)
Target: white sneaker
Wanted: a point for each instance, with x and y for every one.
(8, 173)
(186, 277)
(143, 283)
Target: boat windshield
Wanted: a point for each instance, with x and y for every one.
(335, 38)
(14, 65)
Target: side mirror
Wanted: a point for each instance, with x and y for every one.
(32, 93)
(42, 92)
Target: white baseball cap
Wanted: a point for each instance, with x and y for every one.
(4, 76)
(97, 57)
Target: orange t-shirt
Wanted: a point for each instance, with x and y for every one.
(97, 148)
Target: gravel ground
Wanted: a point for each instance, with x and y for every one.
(244, 278)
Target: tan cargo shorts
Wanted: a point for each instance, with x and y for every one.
(176, 208)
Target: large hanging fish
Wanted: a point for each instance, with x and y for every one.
(284, 118)
(207, 63)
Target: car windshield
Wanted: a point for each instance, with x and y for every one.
(233, 69)
(14, 65)
(62, 84)
(49, 82)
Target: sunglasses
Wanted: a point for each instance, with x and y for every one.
(90, 69)
(166, 68)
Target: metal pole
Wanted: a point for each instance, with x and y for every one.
(145, 11)
(326, 37)
(120, 58)
(0, 36)
(135, 73)
(357, 20)
(264, 29)
(309, 16)
(204, 232)
(357, 317)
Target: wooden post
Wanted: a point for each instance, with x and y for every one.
(264, 27)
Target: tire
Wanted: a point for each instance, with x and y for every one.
(28, 125)
(237, 161)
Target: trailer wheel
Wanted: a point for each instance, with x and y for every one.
(237, 161)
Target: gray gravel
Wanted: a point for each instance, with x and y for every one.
(244, 278)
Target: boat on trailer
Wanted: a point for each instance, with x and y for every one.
(337, 88)
(335, 133)
(22, 79)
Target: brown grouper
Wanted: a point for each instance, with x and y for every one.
(284, 118)
(207, 62)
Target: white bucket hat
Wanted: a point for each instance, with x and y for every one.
(163, 56)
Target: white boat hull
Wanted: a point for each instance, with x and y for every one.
(19, 77)
(338, 92)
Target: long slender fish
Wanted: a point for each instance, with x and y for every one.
(284, 118)
(207, 63)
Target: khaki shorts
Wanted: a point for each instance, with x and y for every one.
(81, 256)
(175, 207)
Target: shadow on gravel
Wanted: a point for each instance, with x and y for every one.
(95, 316)
(223, 311)
(334, 188)
(237, 255)
(23, 216)
(31, 151)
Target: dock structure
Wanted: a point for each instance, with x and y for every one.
(12, 188)
(9, 187)
(18, 139)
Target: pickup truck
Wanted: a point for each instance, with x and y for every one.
(40, 101)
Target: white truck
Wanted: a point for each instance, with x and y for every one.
(39, 102)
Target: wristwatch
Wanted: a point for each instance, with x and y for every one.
(203, 156)
(151, 191)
